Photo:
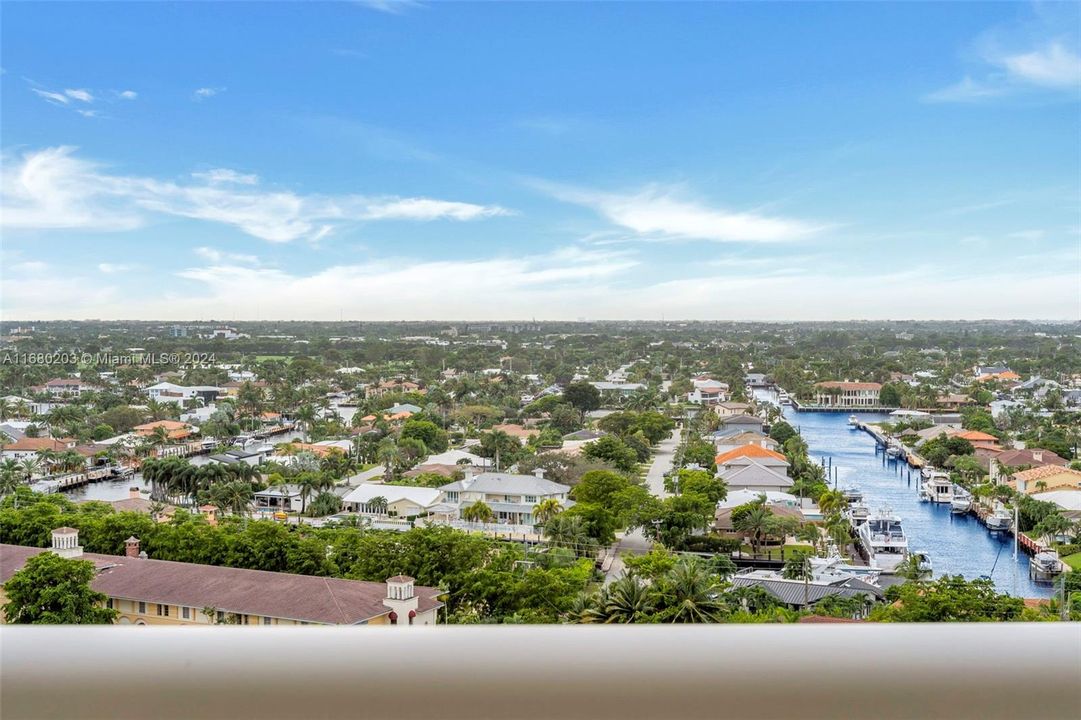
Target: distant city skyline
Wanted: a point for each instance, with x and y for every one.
(410, 161)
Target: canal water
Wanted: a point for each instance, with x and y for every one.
(957, 544)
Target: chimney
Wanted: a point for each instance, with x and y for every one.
(134, 493)
(1037, 455)
(66, 543)
(131, 547)
(468, 475)
(539, 472)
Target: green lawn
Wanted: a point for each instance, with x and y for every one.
(1074, 561)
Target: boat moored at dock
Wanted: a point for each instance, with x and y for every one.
(884, 540)
(999, 521)
(853, 422)
(962, 500)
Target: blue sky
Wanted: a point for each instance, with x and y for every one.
(459, 161)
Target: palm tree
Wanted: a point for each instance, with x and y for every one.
(832, 501)
(689, 594)
(478, 512)
(545, 510)
(569, 531)
(388, 454)
(810, 533)
(5, 409)
(29, 466)
(798, 567)
(159, 436)
(756, 523)
(628, 600)
(378, 505)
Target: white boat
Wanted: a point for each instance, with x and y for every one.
(939, 488)
(999, 521)
(924, 493)
(835, 567)
(784, 398)
(926, 472)
(1047, 563)
(884, 540)
(962, 500)
(894, 450)
(858, 514)
(852, 421)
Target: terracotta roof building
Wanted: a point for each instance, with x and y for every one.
(147, 591)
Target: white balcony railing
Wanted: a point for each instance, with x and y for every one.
(984, 671)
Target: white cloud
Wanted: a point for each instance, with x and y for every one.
(1051, 66)
(657, 211)
(207, 92)
(128, 94)
(53, 188)
(393, 7)
(53, 97)
(113, 268)
(216, 257)
(563, 284)
(80, 95)
(224, 175)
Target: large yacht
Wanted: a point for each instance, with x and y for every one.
(939, 488)
(884, 540)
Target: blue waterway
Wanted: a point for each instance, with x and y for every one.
(957, 544)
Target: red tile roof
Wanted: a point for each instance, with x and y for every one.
(752, 451)
(232, 590)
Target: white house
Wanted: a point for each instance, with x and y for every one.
(511, 497)
(847, 394)
(403, 501)
(708, 391)
(171, 392)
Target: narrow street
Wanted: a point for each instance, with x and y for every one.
(634, 542)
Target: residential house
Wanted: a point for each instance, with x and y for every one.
(402, 501)
(1008, 461)
(755, 475)
(392, 386)
(511, 497)
(617, 389)
(742, 422)
(708, 391)
(744, 453)
(730, 408)
(798, 595)
(161, 592)
(1041, 479)
(27, 447)
(176, 430)
(847, 395)
(179, 394)
(281, 498)
(518, 432)
(732, 441)
(66, 387)
(1067, 499)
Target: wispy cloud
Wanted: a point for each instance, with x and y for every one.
(217, 257)
(114, 268)
(54, 97)
(204, 93)
(128, 94)
(1049, 67)
(222, 176)
(393, 7)
(80, 95)
(53, 188)
(658, 212)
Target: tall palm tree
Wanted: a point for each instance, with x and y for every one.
(29, 466)
(756, 523)
(569, 531)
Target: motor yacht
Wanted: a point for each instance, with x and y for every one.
(884, 540)
(999, 521)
